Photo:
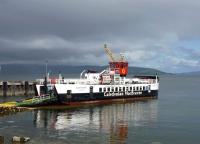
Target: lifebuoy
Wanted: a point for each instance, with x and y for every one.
(123, 71)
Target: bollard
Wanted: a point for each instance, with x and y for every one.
(5, 88)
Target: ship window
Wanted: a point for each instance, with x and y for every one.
(108, 89)
(104, 89)
(120, 89)
(137, 88)
(143, 87)
(133, 88)
(123, 88)
(116, 89)
(130, 88)
(140, 88)
(112, 89)
(126, 88)
(100, 89)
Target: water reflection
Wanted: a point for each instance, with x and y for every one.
(112, 121)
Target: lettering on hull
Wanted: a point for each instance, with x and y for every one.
(121, 93)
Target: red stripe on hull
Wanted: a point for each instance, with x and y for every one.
(69, 105)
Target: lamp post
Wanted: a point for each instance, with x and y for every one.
(46, 67)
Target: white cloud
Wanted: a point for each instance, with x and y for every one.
(184, 62)
(37, 42)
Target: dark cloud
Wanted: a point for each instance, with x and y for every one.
(74, 31)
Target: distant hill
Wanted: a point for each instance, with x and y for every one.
(196, 73)
(33, 71)
(145, 71)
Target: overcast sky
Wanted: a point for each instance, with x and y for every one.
(162, 34)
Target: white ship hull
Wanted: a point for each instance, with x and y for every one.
(109, 84)
(77, 93)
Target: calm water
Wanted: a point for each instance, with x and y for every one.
(172, 119)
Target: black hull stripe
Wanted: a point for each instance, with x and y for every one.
(77, 97)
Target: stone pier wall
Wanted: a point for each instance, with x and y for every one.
(19, 88)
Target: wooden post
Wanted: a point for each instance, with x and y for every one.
(5, 88)
(26, 88)
(13, 89)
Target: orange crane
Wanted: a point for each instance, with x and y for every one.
(118, 65)
(111, 55)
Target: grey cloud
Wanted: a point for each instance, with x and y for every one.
(74, 31)
(38, 50)
(99, 19)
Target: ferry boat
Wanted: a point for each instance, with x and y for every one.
(111, 84)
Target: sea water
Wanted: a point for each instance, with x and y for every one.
(173, 118)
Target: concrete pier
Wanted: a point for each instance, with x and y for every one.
(17, 88)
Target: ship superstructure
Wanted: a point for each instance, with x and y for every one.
(109, 84)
